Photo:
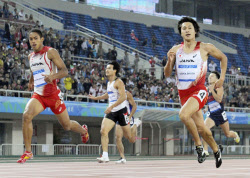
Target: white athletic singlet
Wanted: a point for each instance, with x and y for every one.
(190, 68)
(113, 97)
(40, 64)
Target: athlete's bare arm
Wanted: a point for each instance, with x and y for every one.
(219, 95)
(54, 56)
(171, 61)
(132, 102)
(216, 53)
(119, 85)
(31, 80)
(104, 96)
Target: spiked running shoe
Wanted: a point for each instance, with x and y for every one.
(103, 159)
(217, 156)
(85, 137)
(25, 157)
(121, 161)
(201, 156)
(237, 139)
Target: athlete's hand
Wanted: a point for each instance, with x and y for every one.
(91, 97)
(219, 83)
(171, 56)
(108, 110)
(211, 87)
(48, 78)
(31, 86)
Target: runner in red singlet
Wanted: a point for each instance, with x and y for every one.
(190, 61)
(46, 67)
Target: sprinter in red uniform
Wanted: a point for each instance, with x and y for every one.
(190, 61)
(46, 67)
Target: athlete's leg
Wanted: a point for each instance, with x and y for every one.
(204, 131)
(68, 124)
(119, 135)
(226, 130)
(107, 125)
(209, 123)
(33, 108)
(187, 110)
(129, 133)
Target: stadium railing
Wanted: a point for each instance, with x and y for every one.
(225, 42)
(95, 149)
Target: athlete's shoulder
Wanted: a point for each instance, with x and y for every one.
(175, 48)
(206, 46)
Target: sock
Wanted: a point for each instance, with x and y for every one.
(105, 154)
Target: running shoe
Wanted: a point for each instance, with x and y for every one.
(201, 156)
(103, 159)
(137, 122)
(121, 161)
(85, 137)
(237, 139)
(25, 157)
(206, 152)
(217, 156)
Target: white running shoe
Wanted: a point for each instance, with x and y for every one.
(103, 159)
(121, 161)
(137, 122)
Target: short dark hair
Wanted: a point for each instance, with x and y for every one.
(116, 67)
(124, 80)
(216, 73)
(189, 19)
(38, 31)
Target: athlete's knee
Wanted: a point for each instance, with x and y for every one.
(103, 132)
(27, 116)
(131, 139)
(118, 138)
(184, 116)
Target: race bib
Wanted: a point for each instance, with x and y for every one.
(126, 118)
(202, 94)
(38, 78)
(224, 115)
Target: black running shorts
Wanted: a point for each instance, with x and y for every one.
(120, 116)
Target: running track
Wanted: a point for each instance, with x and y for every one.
(135, 167)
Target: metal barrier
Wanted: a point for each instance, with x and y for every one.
(112, 149)
(88, 149)
(225, 42)
(65, 149)
(37, 149)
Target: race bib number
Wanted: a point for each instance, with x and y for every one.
(224, 115)
(38, 78)
(126, 119)
(208, 114)
(202, 94)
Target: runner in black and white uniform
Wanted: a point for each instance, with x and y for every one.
(134, 122)
(116, 111)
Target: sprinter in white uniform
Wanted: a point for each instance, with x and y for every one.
(116, 111)
(190, 61)
(131, 108)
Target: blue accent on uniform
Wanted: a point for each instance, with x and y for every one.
(211, 102)
(110, 92)
(40, 85)
(215, 110)
(186, 80)
(187, 66)
(38, 71)
(112, 100)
